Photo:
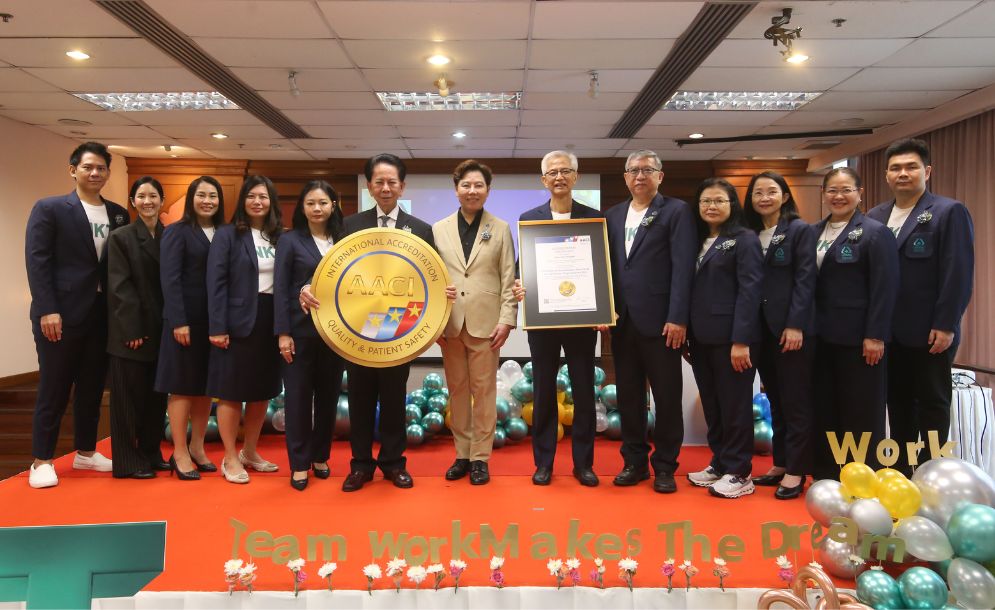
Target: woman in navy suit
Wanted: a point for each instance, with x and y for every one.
(787, 325)
(854, 300)
(184, 349)
(244, 364)
(725, 316)
(312, 372)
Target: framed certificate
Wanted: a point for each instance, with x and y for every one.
(563, 265)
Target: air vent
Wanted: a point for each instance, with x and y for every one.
(820, 144)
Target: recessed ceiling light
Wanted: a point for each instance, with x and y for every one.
(438, 60)
(218, 136)
(739, 100)
(400, 101)
(174, 156)
(696, 136)
(459, 134)
(77, 55)
(275, 146)
(137, 102)
(796, 58)
(77, 132)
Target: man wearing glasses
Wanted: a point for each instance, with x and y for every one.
(559, 175)
(652, 240)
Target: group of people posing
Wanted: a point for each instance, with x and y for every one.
(207, 309)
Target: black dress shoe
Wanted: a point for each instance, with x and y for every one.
(542, 476)
(400, 478)
(586, 477)
(790, 493)
(205, 467)
(768, 480)
(322, 473)
(458, 470)
(478, 473)
(663, 483)
(138, 474)
(160, 465)
(191, 475)
(356, 479)
(298, 484)
(631, 475)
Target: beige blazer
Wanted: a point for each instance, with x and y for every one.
(483, 285)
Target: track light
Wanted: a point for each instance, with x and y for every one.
(594, 86)
(442, 84)
(292, 81)
(777, 33)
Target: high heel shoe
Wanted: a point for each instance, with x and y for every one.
(240, 478)
(298, 484)
(321, 473)
(260, 466)
(205, 467)
(192, 475)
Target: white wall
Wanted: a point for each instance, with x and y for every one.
(34, 163)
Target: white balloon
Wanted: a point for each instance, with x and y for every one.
(601, 408)
(279, 420)
(512, 371)
(871, 517)
(924, 539)
(837, 559)
(971, 583)
(946, 483)
(600, 422)
(824, 500)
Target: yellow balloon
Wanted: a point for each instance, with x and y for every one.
(900, 496)
(888, 474)
(560, 410)
(527, 413)
(560, 396)
(559, 431)
(859, 479)
(449, 419)
(568, 416)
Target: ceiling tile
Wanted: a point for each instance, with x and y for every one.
(445, 131)
(233, 131)
(43, 101)
(107, 80)
(214, 118)
(71, 18)
(412, 54)
(881, 100)
(466, 119)
(579, 80)
(51, 117)
(598, 54)
(944, 52)
(913, 79)
(449, 143)
(109, 133)
(211, 144)
(288, 53)
(103, 52)
(976, 21)
(824, 53)
(349, 131)
(658, 145)
(13, 79)
(461, 153)
(766, 155)
(698, 119)
(684, 154)
(385, 20)
(570, 117)
(556, 131)
(672, 132)
(568, 142)
(339, 117)
(872, 118)
(263, 155)
(581, 154)
(592, 20)
(259, 19)
(321, 155)
(783, 78)
(606, 100)
(308, 81)
(324, 100)
(462, 80)
(157, 152)
(350, 143)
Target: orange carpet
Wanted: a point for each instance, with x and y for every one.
(432, 519)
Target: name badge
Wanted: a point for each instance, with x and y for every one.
(919, 245)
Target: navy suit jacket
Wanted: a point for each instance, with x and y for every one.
(183, 272)
(297, 257)
(789, 278)
(64, 272)
(232, 283)
(134, 292)
(653, 282)
(858, 283)
(545, 212)
(725, 293)
(936, 263)
(368, 220)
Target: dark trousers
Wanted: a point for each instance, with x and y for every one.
(79, 362)
(787, 379)
(919, 393)
(849, 397)
(578, 346)
(313, 378)
(727, 403)
(366, 386)
(638, 358)
(138, 415)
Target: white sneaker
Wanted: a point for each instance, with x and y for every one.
(95, 462)
(732, 486)
(704, 478)
(42, 476)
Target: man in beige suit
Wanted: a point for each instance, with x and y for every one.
(480, 257)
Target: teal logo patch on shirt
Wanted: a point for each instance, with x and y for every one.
(846, 254)
(919, 245)
(100, 230)
(779, 255)
(265, 252)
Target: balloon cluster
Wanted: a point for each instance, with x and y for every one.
(514, 402)
(426, 410)
(763, 431)
(276, 417)
(945, 515)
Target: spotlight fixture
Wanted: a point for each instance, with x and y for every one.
(77, 55)
(459, 135)
(438, 60)
(696, 136)
(7, 17)
(218, 135)
(292, 82)
(777, 33)
(594, 86)
(167, 147)
(442, 84)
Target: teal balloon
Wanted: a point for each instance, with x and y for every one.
(758, 412)
(412, 414)
(433, 421)
(763, 437)
(763, 402)
(650, 423)
(527, 370)
(562, 382)
(597, 393)
(922, 589)
(277, 401)
(503, 409)
(212, 435)
(345, 381)
(432, 381)
(416, 434)
(438, 403)
(609, 396)
(500, 437)
(417, 397)
(522, 390)
(342, 417)
(568, 396)
(972, 532)
(614, 430)
(564, 370)
(444, 392)
(647, 403)
(516, 429)
(879, 590)
(268, 422)
(599, 376)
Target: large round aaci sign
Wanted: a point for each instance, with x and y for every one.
(383, 297)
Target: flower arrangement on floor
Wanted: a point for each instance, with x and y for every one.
(598, 572)
(721, 570)
(627, 570)
(296, 567)
(668, 570)
(239, 573)
(456, 568)
(555, 567)
(326, 571)
(438, 572)
(371, 572)
(497, 576)
(395, 570)
(689, 571)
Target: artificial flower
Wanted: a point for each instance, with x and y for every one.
(669, 570)
(371, 572)
(627, 570)
(417, 574)
(326, 571)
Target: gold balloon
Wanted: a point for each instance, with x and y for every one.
(901, 497)
(888, 474)
(859, 480)
(527, 413)
(567, 419)
(559, 431)
(560, 410)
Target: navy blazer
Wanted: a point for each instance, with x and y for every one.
(368, 220)
(653, 282)
(232, 283)
(857, 284)
(183, 273)
(544, 212)
(789, 278)
(725, 292)
(64, 272)
(297, 257)
(936, 263)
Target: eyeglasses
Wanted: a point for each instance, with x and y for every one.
(843, 191)
(646, 171)
(707, 203)
(566, 172)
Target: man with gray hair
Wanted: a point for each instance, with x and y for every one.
(652, 239)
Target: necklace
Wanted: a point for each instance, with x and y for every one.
(833, 230)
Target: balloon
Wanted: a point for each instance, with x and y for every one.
(972, 532)
(946, 483)
(432, 381)
(599, 376)
(879, 590)
(922, 588)
(433, 421)
(511, 371)
(597, 394)
(416, 434)
(614, 425)
(516, 429)
(342, 417)
(280, 420)
(501, 388)
(600, 407)
(600, 422)
(758, 412)
(971, 583)
(212, 434)
(924, 539)
(527, 370)
(444, 392)
(835, 557)
(562, 383)
(568, 395)
(650, 422)
(763, 402)
(522, 390)
(859, 479)
(763, 437)
(376, 423)
(609, 396)
(527, 413)
(278, 401)
(345, 381)
(417, 397)
(824, 501)
(900, 496)
(564, 370)
(559, 431)
(871, 517)
(502, 409)
(412, 414)
(887, 474)
(438, 403)
(268, 421)
(568, 416)
(514, 407)
(500, 437)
